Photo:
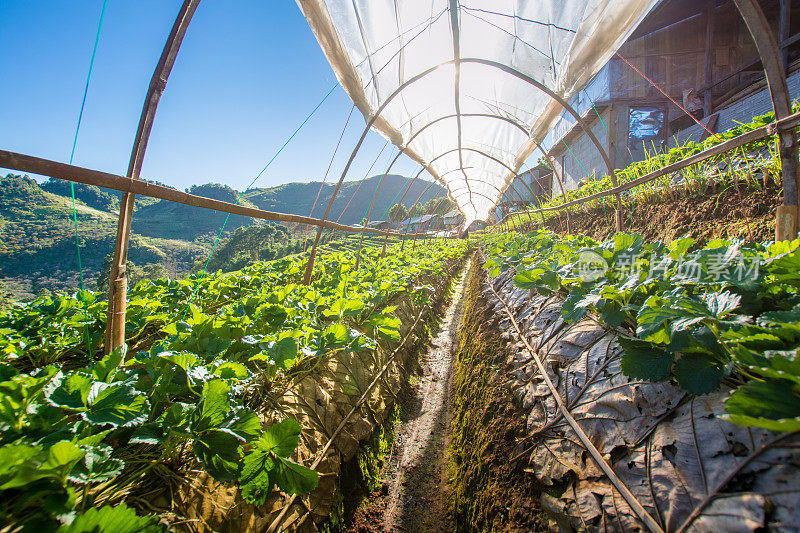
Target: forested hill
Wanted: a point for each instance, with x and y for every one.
(299, 197)
(37, 241)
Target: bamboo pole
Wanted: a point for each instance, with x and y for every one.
(54, 169)
(117, 291)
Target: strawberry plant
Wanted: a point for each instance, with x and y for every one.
(727, 312)
(73, 421)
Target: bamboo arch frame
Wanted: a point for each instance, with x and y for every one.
(457, 61)
(118, 287)
(753, 16)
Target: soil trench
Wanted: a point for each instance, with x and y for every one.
(415, 494)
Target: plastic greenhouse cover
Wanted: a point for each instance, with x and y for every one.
(483, 120)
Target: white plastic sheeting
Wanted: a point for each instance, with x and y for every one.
(471, 124)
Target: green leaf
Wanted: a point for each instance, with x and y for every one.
(698, 373)
(627, 241)
(22, 464)
(105, 368)
(772, 405)
(254, 477)
(294, 478)
(7, 372)
(776, 364)
(679, 247)
(232, 370)
(93, 439)
(116, 404)
(272, 314)
(69, 391)
(148, 433)
(177, 416)
(283, 351)
(18, 466)
(214, 405)
(243, 423)
(218, 451)
(97, 465)
(344, 307)
(391, 334)
(281, 438)
(644, 360)
(611, 313)
(185, 360)
(774, 318)
(62, 456)
(335, 336)
(579, 309)
(720, 304)
(528, 279)
(119, 519)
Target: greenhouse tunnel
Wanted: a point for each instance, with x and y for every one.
(606, 341)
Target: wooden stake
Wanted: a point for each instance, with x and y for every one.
(786, 225)
(770, 52)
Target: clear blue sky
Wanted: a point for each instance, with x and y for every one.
(248, 72)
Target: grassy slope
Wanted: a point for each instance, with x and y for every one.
(37, 231)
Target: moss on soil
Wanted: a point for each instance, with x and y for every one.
(489, 493)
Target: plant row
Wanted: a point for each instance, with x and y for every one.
(727, 313)
(751, 165)
(80, 431)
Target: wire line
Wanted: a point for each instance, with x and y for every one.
(72, 184)
(228, 216)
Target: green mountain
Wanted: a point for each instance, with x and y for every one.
(37, 229)
(298, 198)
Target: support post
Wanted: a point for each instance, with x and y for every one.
(564, 192)
(709, 60)
(117, 292)
(786, 224)
(784, 30)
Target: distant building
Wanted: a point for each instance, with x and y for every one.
(418, 224)
(452, 219)
(719, 84)
(531, 187)
(476, 225)
(379, 224)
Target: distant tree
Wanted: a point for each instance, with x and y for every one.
(266, 253)
(398, 212)
(416, 210)
(102, 199)
(544, 162)
(6, 298)
(438, 206)
(216, 191)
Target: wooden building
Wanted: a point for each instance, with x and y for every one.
(700, 53)
(533, 186)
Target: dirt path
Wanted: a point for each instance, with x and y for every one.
(415, 492)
